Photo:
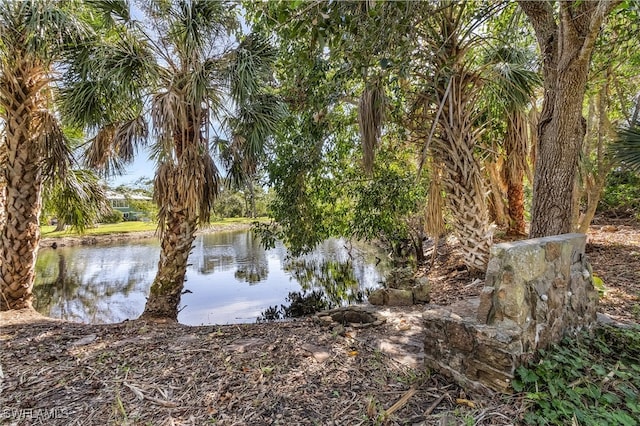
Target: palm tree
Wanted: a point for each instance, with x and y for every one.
(195, 81)
(445, 116)
(626, 149)
(35, 37)
(512, 92)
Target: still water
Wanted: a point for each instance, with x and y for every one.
(231, 278)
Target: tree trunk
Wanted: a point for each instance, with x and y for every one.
(22, 197)
(498, 212)
(252, 198)
(462, 180)
(516, 149)
(566, 47)
(175, 247)
(3, 185)
(466, 199)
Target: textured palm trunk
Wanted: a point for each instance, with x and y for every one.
(498, 212)
(466, 199)
(22, 203)
(176, 245)
(3, 186)
(462, 179)
(516, 151)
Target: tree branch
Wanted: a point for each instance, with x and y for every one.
(540, 14)
(603, 8)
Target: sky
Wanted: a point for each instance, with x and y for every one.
(141, 167)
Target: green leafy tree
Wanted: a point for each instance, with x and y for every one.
(360, 62)
(610, 103)
(334, 74)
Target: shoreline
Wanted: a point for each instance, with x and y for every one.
(90, 240)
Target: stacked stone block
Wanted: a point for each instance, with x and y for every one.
(535, 292)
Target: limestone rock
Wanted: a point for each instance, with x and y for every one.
(378, 297)
(398, 297)
(536, 292)
(422, 292)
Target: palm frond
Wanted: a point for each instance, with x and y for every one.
(192, 185)
(210, 187)
(626, 149)
(371, 113)
(41, 27)
(193, 26)
(81, 103)
(102, 152)
(200, 85)
(510, 77)
(250, 67)
(130, 135)
(78, 199)
(104, 82)
(54, 145)
(169, 117)
(112, 11)
(256, 120)
(434, 225)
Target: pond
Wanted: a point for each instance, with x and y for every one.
(231, 278)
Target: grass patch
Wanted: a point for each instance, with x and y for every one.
(102, 229)
(135, 226)
(593, 379)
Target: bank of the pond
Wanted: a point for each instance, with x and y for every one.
(288, 373)
(61, 240)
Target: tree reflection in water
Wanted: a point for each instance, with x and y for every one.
(251, 259)
(71, 286)
(325, 285)
(232, 279)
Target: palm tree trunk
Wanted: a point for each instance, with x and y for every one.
(516, 148)
(252, 198)
(3, 194)
(466, 199)
(498, 212)
(462, 179)
(177, 241)
(22, 197)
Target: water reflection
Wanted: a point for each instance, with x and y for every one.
(231, 279)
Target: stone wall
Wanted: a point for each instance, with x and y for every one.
(535, 292)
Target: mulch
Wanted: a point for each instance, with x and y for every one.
(288, 373)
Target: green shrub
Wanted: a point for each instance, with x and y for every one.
(116, 216)
(592, 379)
(621, 195)
(229, 204)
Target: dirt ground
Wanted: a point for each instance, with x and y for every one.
(288, 373)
